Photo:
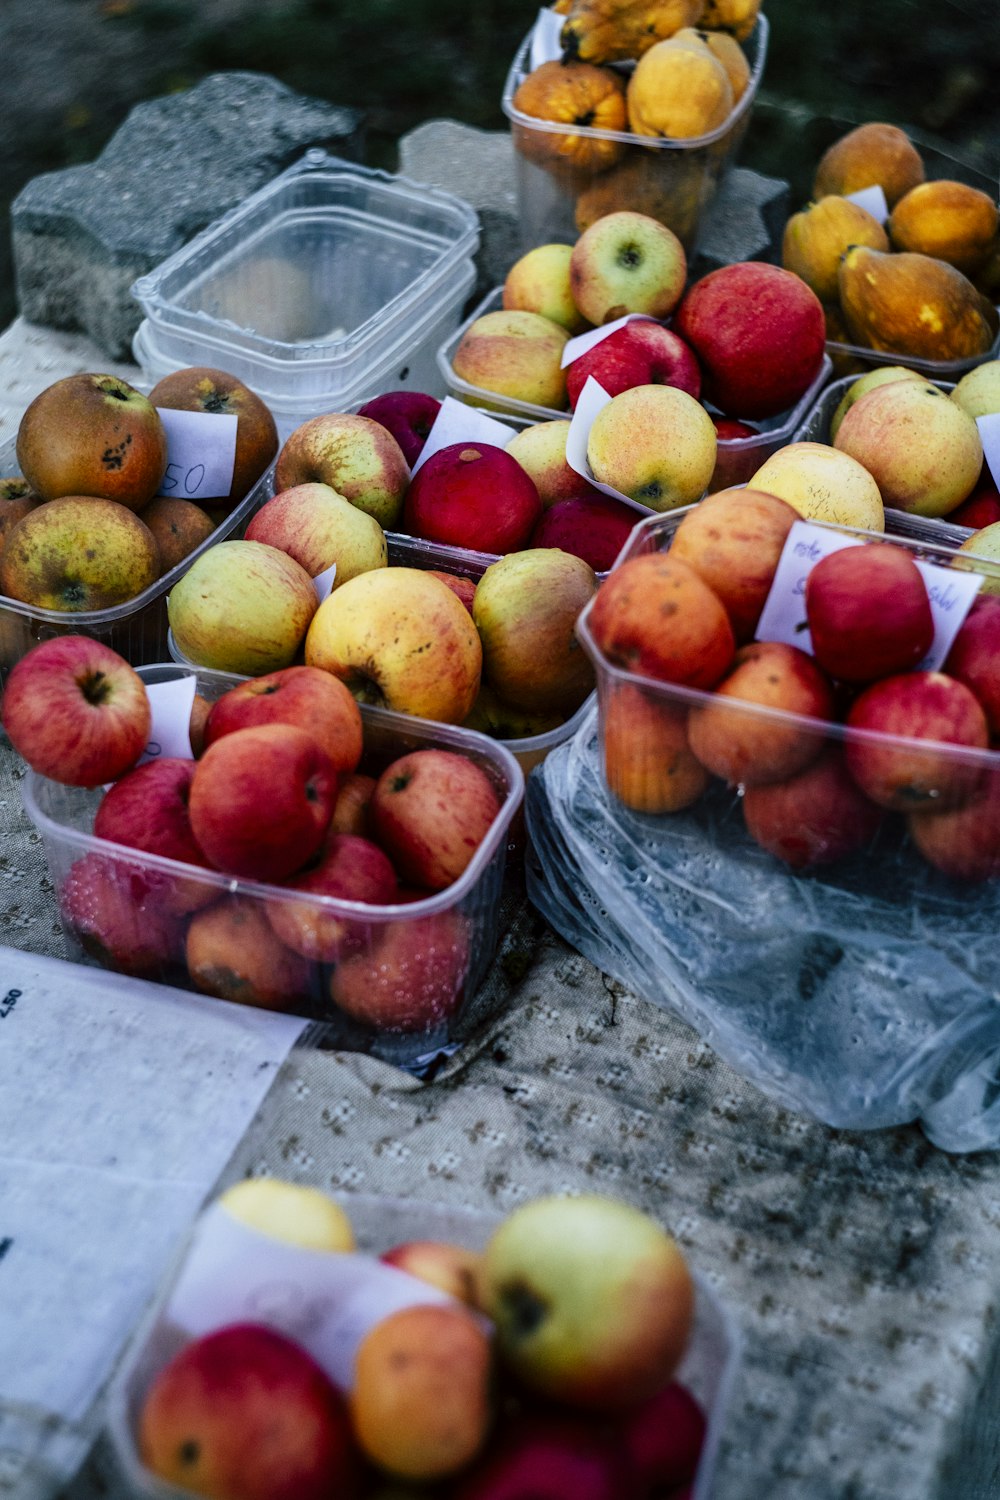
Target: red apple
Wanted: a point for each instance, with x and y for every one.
(76, 711)
(350, 811)
(641, 352)
(408, 415)
(963, 842)
(663, 1437)
(261, 800)
(551, 1458)
(869, 612)
(974, 657)
(431, 810)
(414, 977)
(982, 508)
(244, 1413)
(463, 588)
(148, 810)
(234, 953)
(117, 915)
(348, 868)
(319, 528)
(736, 458)
(451, 1268)
(656, 617)
(813, 818)
(910, 774)
(200, 388)
(729, 430)
(759, 334)
(593, 527)
(445, 501)
(306, 696)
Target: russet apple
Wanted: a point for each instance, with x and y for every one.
(78, 553)
(813, 818)
(201, 388)
(93, 434)
(627, 262)
(823, 484)
(318, 527)
(16, 499)
(655, 444)
(648, 762)
(869, 612)
(592, 527)
(408, 415)
(653, 615)
(347, 868)
(430, 811)
(451, 1268)
(354, 455)
(538, 282)
(444, 502)
(147, 809)
(514, 354)
(116, 915)
(641, 352)
(923, 451)
(306, 696)
(178, 527)
(413, 977)
(974, 657)
(733, 540)
(933, 714)
(76, 711)
(242, 607)
(233, 953)
(289, 1211)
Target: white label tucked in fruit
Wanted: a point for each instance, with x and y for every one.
(201, 452)
(951, 595)
(573, 348)
(458, 423)
(545, 43)
(592, 399)
(872, 200)
(989, 432)
(323, 582)
(170, 705)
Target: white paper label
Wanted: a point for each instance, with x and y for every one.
(989, 432)
(872, 200)
(952, 595)
(201, 452)
(573, 348)
(593, 398)
(323, 582)
(545, 43)
(170, 732)
(458, 423)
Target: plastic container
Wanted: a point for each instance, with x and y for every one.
(738, 458)
(679, 177)
(136, 629)
(451, 933)
(708, 1369)
(315, 287)
(935, 369)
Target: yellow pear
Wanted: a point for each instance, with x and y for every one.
(815, 239)
(947, 219)
(913, 305)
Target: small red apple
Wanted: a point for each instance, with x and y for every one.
(869, 612)
(234, 953)
(348, 868)
(552, 1458)
(472, 495)
(408, 415)
(594, 527)
(963, 842)
(974, 657)
(982, 508)
(663, 1438)
(306, 696)
(922, 722)
(431, 810)
(148, 810)
(117, 915)
(813, 818)
(641, 352)
(412, 979)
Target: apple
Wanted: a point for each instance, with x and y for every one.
(869, 612)
(421, 1403)
(663, 1438)
(354, 455)
(93, 435)
(514, 354)
(539, 282)
(16, 500)
(814, 817)
(261, 800)
(881, 375)
(491, 715)
(735, 457)
(348, 868)
(963, 842)
(318, 527)
(445, 500)
(733, 540)
(984, 544)
(974, 657)
(233, 953)
(201, 388)
(148, 810)
(655, 444)
(242, 607)
(451, 1268)
(823, 484)
(641, 352)
(78, 554)
(289, 1211)
(591, 1299)
(653, 615)
(745, 747)
(408, 415)
(759, 334)
(412, 979)
(76, 711)
(115, 912)
(244, 1413)
(551, 1457)
(890, 763)
(923, 451)
(525, 610)
(430, 811)
(981, 509)
(627, 262)
(978, 391)
(200, 710)
(648, 763)
(464, 589)
(306, 696)
(350, 811)
(178, 527)
(540, 449)
(400, 639)
(592, 527)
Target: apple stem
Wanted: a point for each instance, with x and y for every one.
(95, 687)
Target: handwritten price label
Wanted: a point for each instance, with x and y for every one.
(201, 452)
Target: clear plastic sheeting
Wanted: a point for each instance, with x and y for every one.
(864, 995)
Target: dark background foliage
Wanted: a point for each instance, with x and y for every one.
(73, 69)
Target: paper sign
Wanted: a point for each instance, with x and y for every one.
(989, 432)
(201, 452)
(951, 594)
(573, 348)
(170, 732)
(545, 43)
(323, 582)
(592, 399)
(872, 200)
(458, 423)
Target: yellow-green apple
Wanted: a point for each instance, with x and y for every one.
(823, 484)
(16, 499)
(592, 527)
(694, 648)
(541, 450)
(759, 334)
(514, 354)
(981, 509)
(627, 262)
(412, 979)
(430, 811)
(641, 352)
(116, 915)
(815, 238)
(549, 1456)
(733, 540)
(77, 554)
(261, 800)
(869, 612)
(974, 657)
(539, 282)
(289, 1211)
(76, 711)
(746, 748)
(178, 527)
(400, 639)
(663, 1438)
(348, 868)
(464, 589)
(985, 544)
(318, 527)
(655, 444)
(525, 610)
(445, 500)
(648, 763)
(917, 707)
(922, 449)
(815, 817)
(592, 1300)
(242, 607)
(233, 952)
(978, 391)
(350, 811)
(491, 715)
(451, 1268)
(93, 435)
(354, 455)
(963, 842)
(421, 1405)
(408, 415)
(881, 375)
(147, 809)
(306, 696)
(244, 1413)
(201, 388)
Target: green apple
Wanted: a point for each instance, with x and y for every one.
(289, 1211)
(242, 607)
(539, 283)
(978, 391)
(627, 262)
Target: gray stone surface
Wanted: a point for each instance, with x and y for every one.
(81, 236)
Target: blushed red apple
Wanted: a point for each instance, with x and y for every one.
(869, 612)
(446, 499)
(408, 415)
(413, 979)
(641, 352)
(592, 527)
(813, 818)
(733, 540)
(348, 868)
(147, 809)
(431, 810)
(308, 697)
(922, 706)
(655, 616)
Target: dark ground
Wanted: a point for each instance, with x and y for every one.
(73, 68)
